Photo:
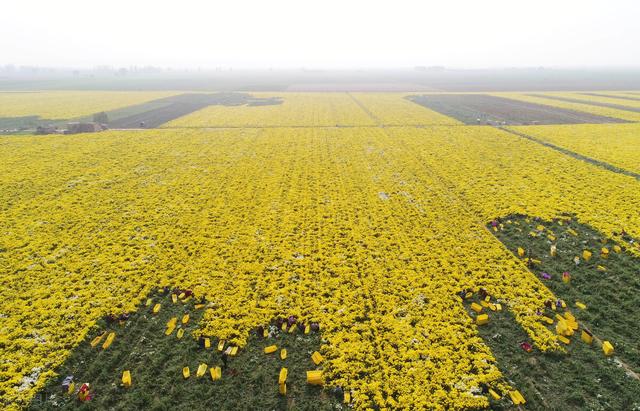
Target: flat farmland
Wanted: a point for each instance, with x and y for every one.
(63, 105)
(158, 112)
(393, 109)
(296, 110)
(383, 252)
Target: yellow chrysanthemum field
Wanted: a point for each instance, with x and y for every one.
(365, 213)
(56, 105)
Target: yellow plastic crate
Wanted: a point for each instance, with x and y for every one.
(282, 377)
(216, 373)
(317, 358)
(314, 377)
(109, 341)
(482, 319)
(126, 378)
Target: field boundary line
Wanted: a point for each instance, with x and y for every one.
(598, 163)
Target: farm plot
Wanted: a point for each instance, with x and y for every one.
(498, 174)
(600, 101)
(158, 112)
(64, 105)
(228, 214)
(393, 109)
(296, 110)
(614, 144)
(487, 109)
(372, 233)
(581, 107)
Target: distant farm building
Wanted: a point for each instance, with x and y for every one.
(75, 128)
(42, 130)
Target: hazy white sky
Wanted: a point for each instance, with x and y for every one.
(327, 33)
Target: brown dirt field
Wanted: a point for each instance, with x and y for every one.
(485, 109)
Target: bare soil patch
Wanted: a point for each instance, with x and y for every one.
(485, 109)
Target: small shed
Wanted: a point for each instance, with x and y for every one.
(42, 130)
(75, 128)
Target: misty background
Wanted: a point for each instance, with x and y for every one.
(243, 44)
